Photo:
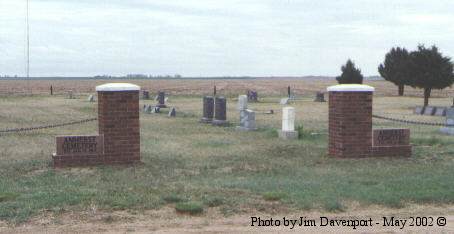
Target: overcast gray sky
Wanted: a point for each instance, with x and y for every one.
(215, 37)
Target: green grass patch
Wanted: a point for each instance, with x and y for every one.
(273, 196)
(173, 198)
(8, 196)
(192, 208)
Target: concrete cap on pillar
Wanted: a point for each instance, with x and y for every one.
(350, 88)
(112, 87)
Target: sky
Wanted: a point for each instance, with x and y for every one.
(215, 37)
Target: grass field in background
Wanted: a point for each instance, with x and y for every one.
(200, 165)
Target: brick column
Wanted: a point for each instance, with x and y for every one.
(350, 120)
(118, 121)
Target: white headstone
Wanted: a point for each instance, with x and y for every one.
(242, 102)
(284, 101)
(91, 98)
(288, 119)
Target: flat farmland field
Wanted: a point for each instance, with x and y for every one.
(228, 87)
(230, 175)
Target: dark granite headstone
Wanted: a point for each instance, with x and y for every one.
(208, 109)
(220, 112)
(161, 99)
(146, 94)
(252, 96)
(320, 97)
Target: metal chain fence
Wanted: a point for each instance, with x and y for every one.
(412, 121)
(13, 130)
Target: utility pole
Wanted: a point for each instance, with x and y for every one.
(28, 45)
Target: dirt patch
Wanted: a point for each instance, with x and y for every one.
(166, 220)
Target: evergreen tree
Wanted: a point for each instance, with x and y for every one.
(350, 74)
(396, 68)
(430, 70)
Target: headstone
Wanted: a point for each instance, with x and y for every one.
(166, 99)
(419, 110)
(242, 102)
(319, 97)
(172, 112)
(449, 129)
(288, 124)
(146, 94)
(91, 98)
(288, 92)
(161, 99)
(429, 110)
(156, 110)
(220, 112)
(440, 111)
(350, 125)
(214, 91)
(51, 90)
(284, 101)
(70, 94)
(147, 109)
(247, 120)
(252, 96)
(270, 112)
(208, 109)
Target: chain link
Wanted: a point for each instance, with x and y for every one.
(412, 122)
(46, 126)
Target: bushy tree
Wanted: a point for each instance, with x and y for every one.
(396, 68)
(350, 74)
(430, 70)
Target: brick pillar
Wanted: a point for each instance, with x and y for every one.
(118, 121)
(350, 120)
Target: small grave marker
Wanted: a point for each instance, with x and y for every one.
(284, 101)
(440, 111)
(429, 110)
(172, 112)
(449, 121)
(419, 110)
